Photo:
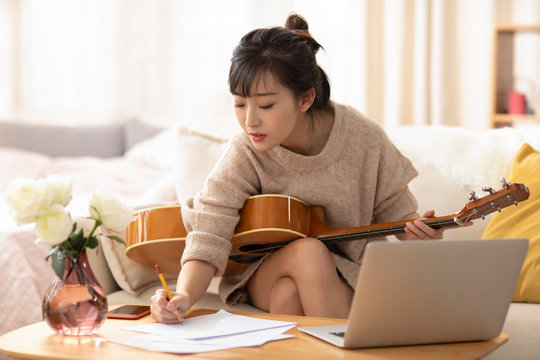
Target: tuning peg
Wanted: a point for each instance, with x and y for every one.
(472, 196)
(505, 183)
(488, 189)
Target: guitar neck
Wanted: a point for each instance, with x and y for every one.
(385, 230)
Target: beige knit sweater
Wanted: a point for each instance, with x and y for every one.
(359, 178)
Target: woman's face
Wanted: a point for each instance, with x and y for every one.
(270, 114)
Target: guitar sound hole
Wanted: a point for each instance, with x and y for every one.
(254, 248)
(263, 248)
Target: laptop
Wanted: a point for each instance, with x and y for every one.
(424, 292)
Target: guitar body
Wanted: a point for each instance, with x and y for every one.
(269, 222)
(157, 235)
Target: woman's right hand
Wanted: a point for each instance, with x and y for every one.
(169, 312)
(193, 279)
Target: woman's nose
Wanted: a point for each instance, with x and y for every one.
(251, 118)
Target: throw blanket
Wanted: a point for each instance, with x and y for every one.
(454, 151)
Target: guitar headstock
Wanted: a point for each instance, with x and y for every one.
(510, 194)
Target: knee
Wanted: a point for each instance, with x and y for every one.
(309, 258)
(309, 251)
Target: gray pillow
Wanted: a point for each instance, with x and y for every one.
(100, 141)
(136, 131)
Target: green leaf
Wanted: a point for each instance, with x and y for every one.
(57, 261)
(116, 238)
(93, 242)
(56, 248)
(77, 240)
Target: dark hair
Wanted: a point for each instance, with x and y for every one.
(288, 53)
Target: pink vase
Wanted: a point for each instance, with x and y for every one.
(75, 305)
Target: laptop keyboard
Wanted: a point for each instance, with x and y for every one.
(339, 334)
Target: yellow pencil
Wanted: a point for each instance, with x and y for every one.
(163, 281)
(169, 295)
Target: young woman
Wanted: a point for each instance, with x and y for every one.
(296, 142)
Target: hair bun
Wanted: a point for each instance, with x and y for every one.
(296, 22)
(299, 26)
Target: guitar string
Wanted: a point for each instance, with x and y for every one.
(340, 237)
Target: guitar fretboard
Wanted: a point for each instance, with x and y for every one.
(385, 231)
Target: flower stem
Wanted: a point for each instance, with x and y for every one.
(68, 245)
(97, 223)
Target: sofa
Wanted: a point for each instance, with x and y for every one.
(451, 161)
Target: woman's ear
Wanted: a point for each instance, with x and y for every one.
(307, 99)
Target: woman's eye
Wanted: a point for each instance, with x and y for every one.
(238, 105)
(265, 107)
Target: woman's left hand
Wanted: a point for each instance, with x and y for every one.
(418, 230)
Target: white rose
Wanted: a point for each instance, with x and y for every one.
(114, 214)
(27, 200)
(61, 188)
(54, 226)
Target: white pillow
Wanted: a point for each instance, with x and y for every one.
(196, 156)
(158, 151)
(163, 192)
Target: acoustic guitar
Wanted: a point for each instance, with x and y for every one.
(268, 222)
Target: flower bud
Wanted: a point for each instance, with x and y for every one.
(114, 214)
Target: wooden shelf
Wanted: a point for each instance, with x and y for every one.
(501, 120)
(503, 74)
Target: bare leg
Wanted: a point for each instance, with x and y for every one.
(312, 272)
(284, 298)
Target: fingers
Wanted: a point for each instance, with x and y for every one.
(415, 229)
(168, 312)
(429, 213)
(420, 230)
(179, 305)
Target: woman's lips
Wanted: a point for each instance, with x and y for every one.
(257, 137)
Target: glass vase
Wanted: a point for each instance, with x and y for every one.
(75, 305)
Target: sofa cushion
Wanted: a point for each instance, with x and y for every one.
(100, 141)
(129, 275)
(101, 270)
(522, 326)
(523, 221)
(136, 131)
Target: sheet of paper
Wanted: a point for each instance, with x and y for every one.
(169, 344)
(208, 326)
(213, 332)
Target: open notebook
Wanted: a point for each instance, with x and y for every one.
(419, 292)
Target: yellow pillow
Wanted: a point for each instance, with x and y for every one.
(523, 221)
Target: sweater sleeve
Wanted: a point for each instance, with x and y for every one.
(393, 199)
(211, 216)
